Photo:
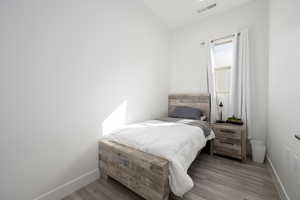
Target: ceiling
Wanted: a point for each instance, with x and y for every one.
(176, 13)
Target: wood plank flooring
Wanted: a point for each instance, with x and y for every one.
(215, 178)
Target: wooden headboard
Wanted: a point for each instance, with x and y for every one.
(201, 101)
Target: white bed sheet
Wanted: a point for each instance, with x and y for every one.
(177, 142)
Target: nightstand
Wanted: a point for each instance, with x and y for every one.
(230, 140)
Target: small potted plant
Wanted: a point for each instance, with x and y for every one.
(234, 120)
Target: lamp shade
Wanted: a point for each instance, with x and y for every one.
(221, 104)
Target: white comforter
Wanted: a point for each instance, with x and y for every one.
(177, 142)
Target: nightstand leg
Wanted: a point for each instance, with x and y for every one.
(211, 147)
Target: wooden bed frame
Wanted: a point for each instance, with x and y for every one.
(144, 173)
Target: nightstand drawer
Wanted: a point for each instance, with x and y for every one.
(228, 147)
(227, 133)
(230, 140)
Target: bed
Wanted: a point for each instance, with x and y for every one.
(152, 158)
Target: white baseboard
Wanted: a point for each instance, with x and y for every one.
(279, 186)
(68, 188)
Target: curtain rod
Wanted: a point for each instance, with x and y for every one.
(221, 38)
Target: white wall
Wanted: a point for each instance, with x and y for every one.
(284, 93)
(65, 66)
(188, 68)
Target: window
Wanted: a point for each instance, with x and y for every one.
(223, 57)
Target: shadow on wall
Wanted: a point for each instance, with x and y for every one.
(115, 120)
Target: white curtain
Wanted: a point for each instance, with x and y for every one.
(211, 81)
(239, 105)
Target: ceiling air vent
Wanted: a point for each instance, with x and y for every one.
(207, 8)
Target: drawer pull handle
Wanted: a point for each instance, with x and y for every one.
(227, 131)
(227, 143)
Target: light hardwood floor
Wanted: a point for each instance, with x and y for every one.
(215, 178)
